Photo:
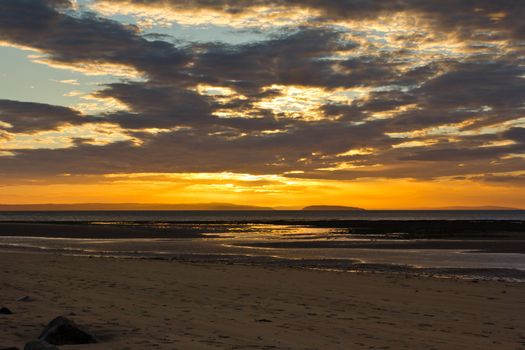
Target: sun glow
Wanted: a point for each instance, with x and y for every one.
(255, 189)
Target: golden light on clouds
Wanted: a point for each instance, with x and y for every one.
(349, 166)
(94, 104)
(392, 113)
(441, 130)
(64, 137)
(165, 14)
(357, 152)
(6, 43)
(453, 131)
(416, 143)
(303, 102)
(223, 95)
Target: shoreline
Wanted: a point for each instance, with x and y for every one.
(439, 248)
(141, 304)
(509, 275)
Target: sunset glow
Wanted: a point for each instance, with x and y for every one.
(270, 103)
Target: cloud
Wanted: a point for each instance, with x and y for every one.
(470, 19)
(256, 14)
(516, 134)
(375, 89)
(84, 42)
(67, 81)
(31, 117)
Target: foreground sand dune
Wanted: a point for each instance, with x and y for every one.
(141, 304)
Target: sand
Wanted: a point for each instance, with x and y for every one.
(148, 304)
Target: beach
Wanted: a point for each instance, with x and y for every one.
(328, 284)
(151, 304)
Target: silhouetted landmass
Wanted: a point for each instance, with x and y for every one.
(331, 208)
(127, 206)
(487, 207)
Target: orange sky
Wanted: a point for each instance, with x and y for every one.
(263, 191)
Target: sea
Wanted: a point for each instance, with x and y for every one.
(257, 216)
(235, 236)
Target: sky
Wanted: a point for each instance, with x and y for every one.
(379, 104)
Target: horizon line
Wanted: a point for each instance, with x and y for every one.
(237, 207)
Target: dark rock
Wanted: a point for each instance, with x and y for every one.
(62, 331)
(25, 298)
(11, 348)
(39, 345)
(5, 311)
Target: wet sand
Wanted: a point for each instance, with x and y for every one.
(489, 246)
(466, 249)
(147, 304)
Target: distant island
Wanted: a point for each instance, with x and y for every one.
(332, 207)
(128, 206)
(487, 207)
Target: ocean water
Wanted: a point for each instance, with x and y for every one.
(234, 236)
(259, 216)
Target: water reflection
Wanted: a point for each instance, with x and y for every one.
(233, 240)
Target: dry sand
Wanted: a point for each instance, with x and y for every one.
(141, 304)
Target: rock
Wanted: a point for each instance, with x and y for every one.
(11, 348)
(39, 345)
(62, 331)
(5, 311)
(25, 298)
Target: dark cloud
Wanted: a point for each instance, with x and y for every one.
(29, 117)
(513, 179)
(516, 134)
(158, 106)
(292, 59)
(457, 154)
(474, 84)
(169, 106)
(85, 38)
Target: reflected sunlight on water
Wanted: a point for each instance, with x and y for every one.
(231, 241)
